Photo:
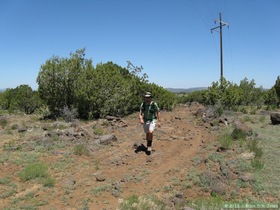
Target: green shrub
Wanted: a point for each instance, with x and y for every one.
(216, 157)
(215, 122)
(258, 152)
(141, 203)
(34, 170)
(235, 108)
(44, 111)
(257, 164)
(243, 166)
(11, 146)
(214, 202)
(3, 122)
(247, 118)
(48, 181)
(69, 114)
(218, 109)
(37, 171)
(14, 126)
(100, 189)
(253, 147)
(98, 131)
(5, 180)
(226, 141)
(261, 119)
(253, 112)
(238, 134)
(244, 110)
(96, 91)
(242, 184)
(80, 149)
(271, 107)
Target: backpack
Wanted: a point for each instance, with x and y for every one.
(152, 109)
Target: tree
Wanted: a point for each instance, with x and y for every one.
(165, 99)
(214, 92)
(229, 94)
(112, 89)
(6, 98)
(271, 97)
(250, 94)
(57, 80)
(87, 94)
(107, 89)
(277, 89)
(21, 98)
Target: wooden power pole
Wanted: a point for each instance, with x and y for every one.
(220, 27)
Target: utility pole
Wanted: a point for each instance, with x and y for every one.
(221, 40)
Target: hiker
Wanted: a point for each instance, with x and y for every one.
(149, 116)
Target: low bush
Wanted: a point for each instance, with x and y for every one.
(214, 202)
(238, 134)
(253, 147)
(80, 149)
(34, 170)
(37, 171)
(69, 114)
(141, 203)
(226, 141)
(3, 122)
(257, 164)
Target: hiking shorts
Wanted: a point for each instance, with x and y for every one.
(149, 126)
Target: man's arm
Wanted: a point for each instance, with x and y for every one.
(141, 117)
(158, 121)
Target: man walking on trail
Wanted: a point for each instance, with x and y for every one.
(149, 117)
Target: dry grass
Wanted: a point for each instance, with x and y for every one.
(267, 179)
(68, 168)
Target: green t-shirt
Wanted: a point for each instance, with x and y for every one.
(149, 111)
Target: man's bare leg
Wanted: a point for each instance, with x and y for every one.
(149, 141)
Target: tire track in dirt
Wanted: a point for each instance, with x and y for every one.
(176, 144)
(121, 170)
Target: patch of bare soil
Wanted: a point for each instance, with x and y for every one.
(109, 171)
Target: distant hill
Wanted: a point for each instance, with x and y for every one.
(185, 90)
(2, 90)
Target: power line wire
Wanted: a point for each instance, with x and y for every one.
(207, 26)
(197, 10)
(227, 15)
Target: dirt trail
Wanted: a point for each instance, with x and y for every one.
(110, 173)
(176, 144)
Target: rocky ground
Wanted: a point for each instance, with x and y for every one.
(184, 165)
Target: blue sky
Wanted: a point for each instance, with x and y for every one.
(171, 39)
